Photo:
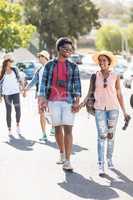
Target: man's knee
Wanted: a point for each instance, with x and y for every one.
(67, 129)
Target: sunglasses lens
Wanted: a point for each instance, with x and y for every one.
(105, 83)
(66, 49)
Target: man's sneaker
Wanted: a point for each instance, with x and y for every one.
(44, 138)
(52, 131)
(110, 164)
(61, 159)
(67, 166)
(101, 169)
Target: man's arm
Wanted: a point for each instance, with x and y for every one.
(77, 90)
(34, 80)
(41, 91)
(77, 82)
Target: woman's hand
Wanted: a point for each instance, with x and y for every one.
(24, 93)
(0, 99)
(126, 116)
(82, 104)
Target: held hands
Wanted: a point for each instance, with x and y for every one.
(76, 106)
(82, 104)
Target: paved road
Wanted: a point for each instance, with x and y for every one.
(28, 169)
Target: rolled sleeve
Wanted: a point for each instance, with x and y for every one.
(34, 81)
(41, 91)
(77, 82)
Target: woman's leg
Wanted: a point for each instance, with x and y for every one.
(112, 122)
(16, 102)
(8, 104)
(101, 123)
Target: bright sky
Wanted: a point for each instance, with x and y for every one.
(122, 1)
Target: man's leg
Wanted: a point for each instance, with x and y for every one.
(43, 125)
(43, 122)
(60, 142)
(68, 140)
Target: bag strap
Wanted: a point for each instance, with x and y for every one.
(16, 73)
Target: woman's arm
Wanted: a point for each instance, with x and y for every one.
(120, 96)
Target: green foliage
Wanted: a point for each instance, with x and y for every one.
(56, 18)
(13, 34)
(114, 38)
(129, 33)
(109, 37)
(131, 14)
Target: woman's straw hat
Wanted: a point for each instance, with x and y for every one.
(105, 53)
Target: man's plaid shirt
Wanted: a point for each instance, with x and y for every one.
(73, 82)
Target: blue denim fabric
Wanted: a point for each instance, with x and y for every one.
(106, 122)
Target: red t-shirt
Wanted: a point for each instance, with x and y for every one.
(59, 93)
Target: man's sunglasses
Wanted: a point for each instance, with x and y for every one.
(67, 49)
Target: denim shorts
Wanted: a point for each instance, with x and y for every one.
(106, 121)
(61, 113)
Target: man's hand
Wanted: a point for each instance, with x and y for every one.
(75, 107)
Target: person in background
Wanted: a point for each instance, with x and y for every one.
(23, 77)
(108, 97)
(60, 90)
(43, 57)
(10, 83)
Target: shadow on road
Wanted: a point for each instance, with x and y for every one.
(21, 143)
(87, 188)
(75, 149)
(124, 183)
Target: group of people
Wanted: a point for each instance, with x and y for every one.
(59, 91)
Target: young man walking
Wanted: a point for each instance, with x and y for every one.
(60, 90)
(43, 57)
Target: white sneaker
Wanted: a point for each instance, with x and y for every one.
(61, 159)
(67, 166)
(101, 169)
(9, 133)
(18, 130)
(110, 164)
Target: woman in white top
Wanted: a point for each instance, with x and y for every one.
(10, 90)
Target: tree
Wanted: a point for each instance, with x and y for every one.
(56, 18)
(131, 14)
(110, 37)
(129, 33)
(13, 33)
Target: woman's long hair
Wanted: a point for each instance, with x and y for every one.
(4, 66)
